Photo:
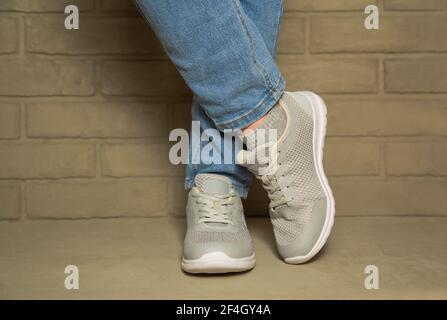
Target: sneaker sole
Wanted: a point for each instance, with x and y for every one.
(319, 133)
(218, 262)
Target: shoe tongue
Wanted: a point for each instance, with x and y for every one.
(213, 183)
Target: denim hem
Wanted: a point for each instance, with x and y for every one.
(241, 189)
(267, 102)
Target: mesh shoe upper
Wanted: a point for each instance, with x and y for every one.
(215, 220)
(294, 186)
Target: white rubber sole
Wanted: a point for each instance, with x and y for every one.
(319, 134)
(218, 262)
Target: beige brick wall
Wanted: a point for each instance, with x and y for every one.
(84, 115)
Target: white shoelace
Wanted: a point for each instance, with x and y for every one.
(274, 192)
(266, 172)
(215, 208)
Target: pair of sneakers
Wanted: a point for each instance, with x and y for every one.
(301, 209)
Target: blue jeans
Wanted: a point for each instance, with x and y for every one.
(225, 52)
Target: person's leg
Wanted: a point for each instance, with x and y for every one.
(223, 58)
(240, 176)
(266, 15)
(221, 55)
(237, 84)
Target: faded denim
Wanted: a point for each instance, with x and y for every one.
(225, 51)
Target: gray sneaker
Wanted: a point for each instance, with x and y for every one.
(217, 238)
(302, 207)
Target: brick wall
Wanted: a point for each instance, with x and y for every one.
(84, 115)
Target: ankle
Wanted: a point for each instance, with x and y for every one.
(254, 125)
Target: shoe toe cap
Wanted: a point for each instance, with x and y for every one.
(233, 249)
(302, 248)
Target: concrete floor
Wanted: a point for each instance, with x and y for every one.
(140, 259)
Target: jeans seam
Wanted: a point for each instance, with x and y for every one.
(271, 93)
(261, 68)
(140, 10)
(278, 26)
